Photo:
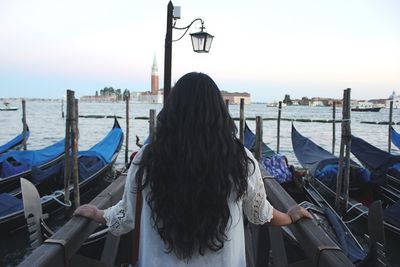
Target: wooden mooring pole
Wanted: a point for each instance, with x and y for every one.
(152, 124)
(67, 146)
(259, 134)
(342, 181)
(227, 103)
(348, 147)
(74, 139)
(62, 108)
(390, 126)
(278, 134)
(127, 129)
(241, 122)
(333, 127)
(24, 127)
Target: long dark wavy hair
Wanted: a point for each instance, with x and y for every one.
(193, 165)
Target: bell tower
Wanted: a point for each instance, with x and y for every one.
(154, 77)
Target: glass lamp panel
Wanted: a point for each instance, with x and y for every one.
(209, 40)
(201, 42)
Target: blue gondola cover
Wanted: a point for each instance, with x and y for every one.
(13, 142)
(395, 137)
(91, 163)
(249, 142)
(107, 147)
(9, 204)
(249, 137)
(322, 164)
(310, 155)
(373, 157)
(13, 162)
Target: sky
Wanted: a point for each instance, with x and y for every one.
(268, 48)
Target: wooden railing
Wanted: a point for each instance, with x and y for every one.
(63, 245)
(319, 248)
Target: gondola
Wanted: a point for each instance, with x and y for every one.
(92, 163)
(382, 164)
(14, 143)
(395, 137)
(250, 140)
(365, 187)
(320, 209)
(378, 161)
(28, 164)
(375, 159)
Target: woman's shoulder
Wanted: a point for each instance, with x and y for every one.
(139, 154)
(249, 154)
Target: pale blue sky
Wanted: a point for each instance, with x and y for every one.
(268, 48)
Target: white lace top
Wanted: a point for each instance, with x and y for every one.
(120, 219)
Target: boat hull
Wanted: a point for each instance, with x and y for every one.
(366, 109)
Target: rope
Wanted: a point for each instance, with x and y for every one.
(55, 196)
(354, 206)
(356, 218)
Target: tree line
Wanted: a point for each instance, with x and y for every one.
(305, 101)
(110, 91)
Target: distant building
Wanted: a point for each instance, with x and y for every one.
(155, 95)
(322, 102)
(155, 86)
(92, 98)
(316, 103)
(149, 98)
(276, 104)
(353, 103)
(234, 98)
(396, 100)
(304, 101)
(134, 97)
(378, 103)
(364, 104)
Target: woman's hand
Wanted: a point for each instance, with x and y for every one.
(294, 214)
(91, 212)
(297, 212)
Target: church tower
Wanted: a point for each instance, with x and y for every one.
(154, 77)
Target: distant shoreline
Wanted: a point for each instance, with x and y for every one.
(8, 99)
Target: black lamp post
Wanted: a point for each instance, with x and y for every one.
(201, 42)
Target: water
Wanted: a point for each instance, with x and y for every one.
(47, 126)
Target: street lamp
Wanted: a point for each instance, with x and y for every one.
(201, 42)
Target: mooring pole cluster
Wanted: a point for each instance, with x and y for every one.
(71, 149)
